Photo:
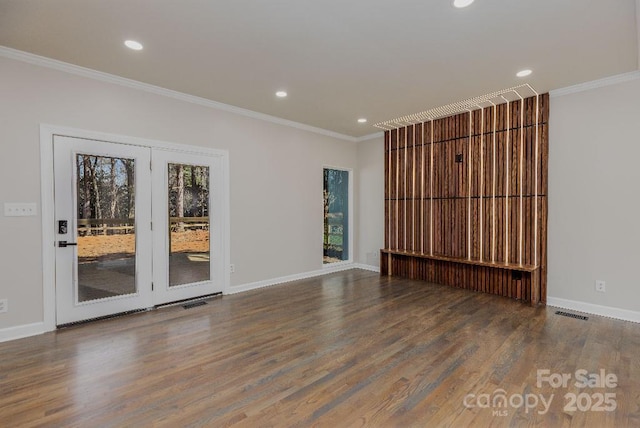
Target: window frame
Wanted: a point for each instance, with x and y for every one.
(349, 222)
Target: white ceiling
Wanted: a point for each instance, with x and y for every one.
(338, 59)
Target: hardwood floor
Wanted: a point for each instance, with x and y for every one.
(345, 349)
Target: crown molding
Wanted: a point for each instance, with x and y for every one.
(370, 137)
(594, 84)
(134, 84)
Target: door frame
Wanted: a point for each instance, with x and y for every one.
(47, 132)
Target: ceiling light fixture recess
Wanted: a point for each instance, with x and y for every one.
(281, 94)
(132, 44)
(523, 73)
(462, 3)
(362, 120)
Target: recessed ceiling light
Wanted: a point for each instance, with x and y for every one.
(281, 94)
(462, 3)
(132, 44)
(362, 120)
(523, 73)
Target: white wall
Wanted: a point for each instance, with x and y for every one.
(594, 196)
(276, 173)
(370, 202)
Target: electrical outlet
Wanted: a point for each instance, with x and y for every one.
(232, 268)
(12, 209)
(601, 286)
(4, 305)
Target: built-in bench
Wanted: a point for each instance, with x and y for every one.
(505, 279)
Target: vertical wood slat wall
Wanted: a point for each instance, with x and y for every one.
(472, 222)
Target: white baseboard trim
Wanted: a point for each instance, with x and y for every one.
(366, 267)
(20, 331)
(295, 277)
(590, 308)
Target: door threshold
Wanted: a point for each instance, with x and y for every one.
(106, 317)
(192, 300)
(121, 314)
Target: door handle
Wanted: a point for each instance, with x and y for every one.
(63, 244)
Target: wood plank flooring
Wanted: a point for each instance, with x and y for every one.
(346, 349)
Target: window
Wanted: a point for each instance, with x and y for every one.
(336, 197)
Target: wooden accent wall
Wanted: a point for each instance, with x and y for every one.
(471, 190)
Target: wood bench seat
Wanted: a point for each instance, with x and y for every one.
(507, 266)
(511, 280)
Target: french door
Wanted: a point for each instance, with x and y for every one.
(187, 227)
(129, 237)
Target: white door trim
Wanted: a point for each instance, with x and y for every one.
(48, 209)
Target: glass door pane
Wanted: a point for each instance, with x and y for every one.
(189, 226)
(106, 233)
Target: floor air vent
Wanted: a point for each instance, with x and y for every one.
(570, 315)
(194, 304)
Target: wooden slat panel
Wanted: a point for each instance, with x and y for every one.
(543, 158)
(461, 169)
(514, 206)
(427, 225)
(514, 163)
(484, 207)
(499, 231)
(475, 231)
(529, 161)
(459, 245)
(542, 242)
(409, 194)
(476, 179)
(438, 244)
(527, 245)
(439, 165)
(387, 188)
(500, 162)
(487, 229)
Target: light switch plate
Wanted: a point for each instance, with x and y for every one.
(15, 209)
